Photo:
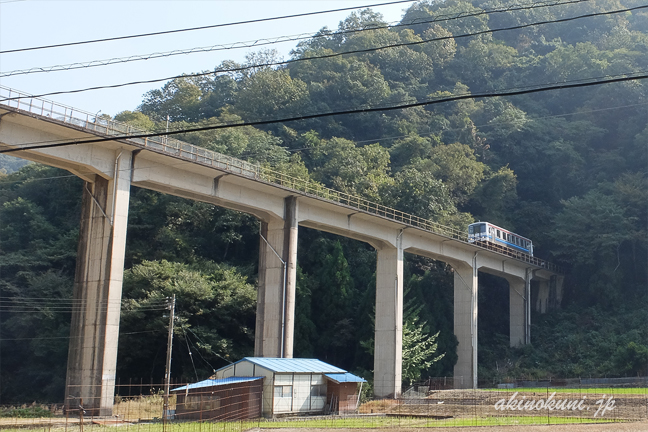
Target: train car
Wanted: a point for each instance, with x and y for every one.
(487, 232)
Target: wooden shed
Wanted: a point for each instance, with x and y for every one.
(220, 399)
(342, 392)
(294, 386)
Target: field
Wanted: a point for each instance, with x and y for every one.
(456, 410)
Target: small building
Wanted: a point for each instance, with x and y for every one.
(220, 399)
(342, 392)
(289, 386)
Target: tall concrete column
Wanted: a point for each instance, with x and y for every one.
(275, 321)
(94, 333)
(527, 316)
(465, 324)
(517, 311)
(388, 346)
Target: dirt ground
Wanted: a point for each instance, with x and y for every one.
(482, 403)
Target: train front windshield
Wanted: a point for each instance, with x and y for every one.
(477, 229)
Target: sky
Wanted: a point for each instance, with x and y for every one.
(30, 23)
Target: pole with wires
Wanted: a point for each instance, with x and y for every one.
(167, 373)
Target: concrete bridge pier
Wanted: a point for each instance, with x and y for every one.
(275, 321)
(94, 332)
(465, 323)
(388, 338)
(518, 298)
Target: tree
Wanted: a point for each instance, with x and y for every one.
(215, 305)
(419, 349)
(136, 119)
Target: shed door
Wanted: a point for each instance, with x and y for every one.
(302, 392)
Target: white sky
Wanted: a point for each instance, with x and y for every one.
(25, 23)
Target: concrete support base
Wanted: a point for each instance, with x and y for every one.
(465, 325)
(92, 356)
(388, 351)
(275, 321)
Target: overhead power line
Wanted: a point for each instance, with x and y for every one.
(557, 86)
(327, 56)
(70, 337)
(278, 39)
(203, 27)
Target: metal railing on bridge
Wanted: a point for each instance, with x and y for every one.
(171, 146)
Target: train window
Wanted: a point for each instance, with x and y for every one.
(499, 234)
(471, 229)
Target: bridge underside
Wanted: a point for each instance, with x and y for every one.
(110, 168)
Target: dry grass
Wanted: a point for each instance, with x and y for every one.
(378, 406)
(141, 407)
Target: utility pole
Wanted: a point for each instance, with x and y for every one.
(167, 373)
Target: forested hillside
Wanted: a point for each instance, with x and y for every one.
(567, 168)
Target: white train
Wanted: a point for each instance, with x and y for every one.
(487, 232)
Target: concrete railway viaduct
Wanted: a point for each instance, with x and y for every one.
(282, 204)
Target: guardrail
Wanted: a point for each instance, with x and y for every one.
(174, 147)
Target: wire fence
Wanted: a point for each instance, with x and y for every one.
(260, 404)
(173, 147)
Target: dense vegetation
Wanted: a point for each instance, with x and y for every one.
(565, 168)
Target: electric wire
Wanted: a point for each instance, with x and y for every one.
(215, 353)
(557, 86)
(158, 131)
(327, 56)
(271, 41)
(254, 21)
(49, 305)
(36, 179)
(197, 348)
(489, 124)
(68, 337)
(190, 354)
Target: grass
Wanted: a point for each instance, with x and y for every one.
(579, 390)
(142, 407)
(35, 411)
(335, 423)
(391, 422)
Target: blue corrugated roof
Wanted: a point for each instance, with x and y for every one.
(345, 377)
(294, 365)
(217, 382)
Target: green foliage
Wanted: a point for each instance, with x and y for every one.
(215, 308)
(136, 119)
(27, 412)
(419, 349)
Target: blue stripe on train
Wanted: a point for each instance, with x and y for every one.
(514, 246)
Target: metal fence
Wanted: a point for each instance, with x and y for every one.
(140, 406)
(173, 147)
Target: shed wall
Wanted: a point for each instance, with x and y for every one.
(342, 397)
(224, 402)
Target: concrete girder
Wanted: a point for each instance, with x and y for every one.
(319, 216)
(215, 188)
(83, 160)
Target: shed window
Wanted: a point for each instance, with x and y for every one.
(283, 391)
(318, 390)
